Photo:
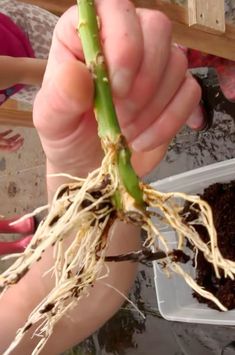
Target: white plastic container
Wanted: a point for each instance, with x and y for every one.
(175, 300)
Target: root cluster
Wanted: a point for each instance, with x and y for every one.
(77, 227)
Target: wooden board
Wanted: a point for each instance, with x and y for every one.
(57, 7)
(207, 15)
(222, 45)
(11, 113)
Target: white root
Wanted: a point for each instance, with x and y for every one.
(166, 202)
(79, 260)
(76, 227)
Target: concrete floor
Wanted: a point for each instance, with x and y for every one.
(22, 175)
(22, 179)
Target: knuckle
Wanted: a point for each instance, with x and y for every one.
(162, 20)
(156, 21)
(129, 50)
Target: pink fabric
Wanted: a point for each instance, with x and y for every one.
(15, 43)
(225, 69)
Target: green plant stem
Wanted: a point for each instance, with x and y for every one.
(108, 126)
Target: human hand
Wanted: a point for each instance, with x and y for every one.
(153, 93)
(10, 143)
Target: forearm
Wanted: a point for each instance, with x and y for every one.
(90, 313)
(28, 71)
(104, 301)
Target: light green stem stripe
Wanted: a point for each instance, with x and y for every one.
(89, 32)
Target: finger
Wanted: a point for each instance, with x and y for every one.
(171, 119)
(65, 45)
(145, 162)
(121, 31)
(13, 138)
(16, 145)
(156, 30)
(197, 120)
(170, 83)
(62, 101)
(122, 42)
(5, 133)
(12, 147)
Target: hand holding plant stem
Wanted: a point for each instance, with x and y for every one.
(149, 82)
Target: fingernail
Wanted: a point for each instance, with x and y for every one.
(126, 111)
(129, 131)
(121, 82)
(142, 142)
(196, 120)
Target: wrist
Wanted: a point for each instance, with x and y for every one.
(54, 182)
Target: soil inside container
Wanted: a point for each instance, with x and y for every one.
(221, 197)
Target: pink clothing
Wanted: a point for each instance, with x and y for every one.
(225, 69)
(14, 43)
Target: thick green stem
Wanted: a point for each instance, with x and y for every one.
(109, 129)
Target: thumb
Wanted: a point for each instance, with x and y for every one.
(62, 101)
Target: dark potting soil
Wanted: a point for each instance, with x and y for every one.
(221, 197)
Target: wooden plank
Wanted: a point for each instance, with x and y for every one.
(221, 45)
(15, 118)
(57, 7)
(11, 114)
(207, 15)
